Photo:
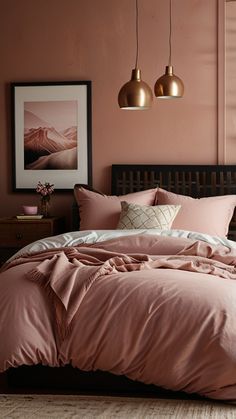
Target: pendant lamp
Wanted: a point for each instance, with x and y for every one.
(169, 86)
(136, 94)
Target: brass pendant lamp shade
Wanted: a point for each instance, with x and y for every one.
(135, 94)
(169, 86)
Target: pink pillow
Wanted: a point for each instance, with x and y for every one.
(102, 212)
(210, 215)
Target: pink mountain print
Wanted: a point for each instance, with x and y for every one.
(50, 146)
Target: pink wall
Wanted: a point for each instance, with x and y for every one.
(60, 40)
(230, 82)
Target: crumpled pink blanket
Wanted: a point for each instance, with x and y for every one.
(74, 277)
(71, 271)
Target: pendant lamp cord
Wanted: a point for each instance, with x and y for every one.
(137, 30)
(170, 33)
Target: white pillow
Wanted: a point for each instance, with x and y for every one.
(134, 216)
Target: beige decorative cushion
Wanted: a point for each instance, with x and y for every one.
(134, 216)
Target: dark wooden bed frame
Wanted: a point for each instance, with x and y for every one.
(196, 181)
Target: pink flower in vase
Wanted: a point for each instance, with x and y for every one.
(45, 190)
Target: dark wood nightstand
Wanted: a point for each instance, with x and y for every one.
(15, 234)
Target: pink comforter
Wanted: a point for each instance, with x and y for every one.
(164, 316)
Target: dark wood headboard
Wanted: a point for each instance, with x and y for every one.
(193, 180)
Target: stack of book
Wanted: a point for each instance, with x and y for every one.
(29, 217)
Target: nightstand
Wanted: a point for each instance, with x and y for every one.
(15, 234)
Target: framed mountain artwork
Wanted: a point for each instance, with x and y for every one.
(51, 124)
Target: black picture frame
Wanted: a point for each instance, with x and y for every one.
(52, 134)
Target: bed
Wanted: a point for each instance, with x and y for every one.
(157, 307)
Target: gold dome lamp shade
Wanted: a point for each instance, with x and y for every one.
(135, 94)
(169, 86)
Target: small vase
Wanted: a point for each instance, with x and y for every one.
(45, 206)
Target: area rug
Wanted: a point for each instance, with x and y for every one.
(88, 407)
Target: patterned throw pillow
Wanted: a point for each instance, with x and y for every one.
(134, 216)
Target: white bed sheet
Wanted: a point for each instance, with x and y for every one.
(75, 238)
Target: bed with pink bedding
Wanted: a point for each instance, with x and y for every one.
(155, 305)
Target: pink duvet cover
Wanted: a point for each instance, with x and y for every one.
(159, 310)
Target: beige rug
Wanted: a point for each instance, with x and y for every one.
(102, 407)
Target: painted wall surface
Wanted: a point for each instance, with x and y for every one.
(58, 40)
(230, 82)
